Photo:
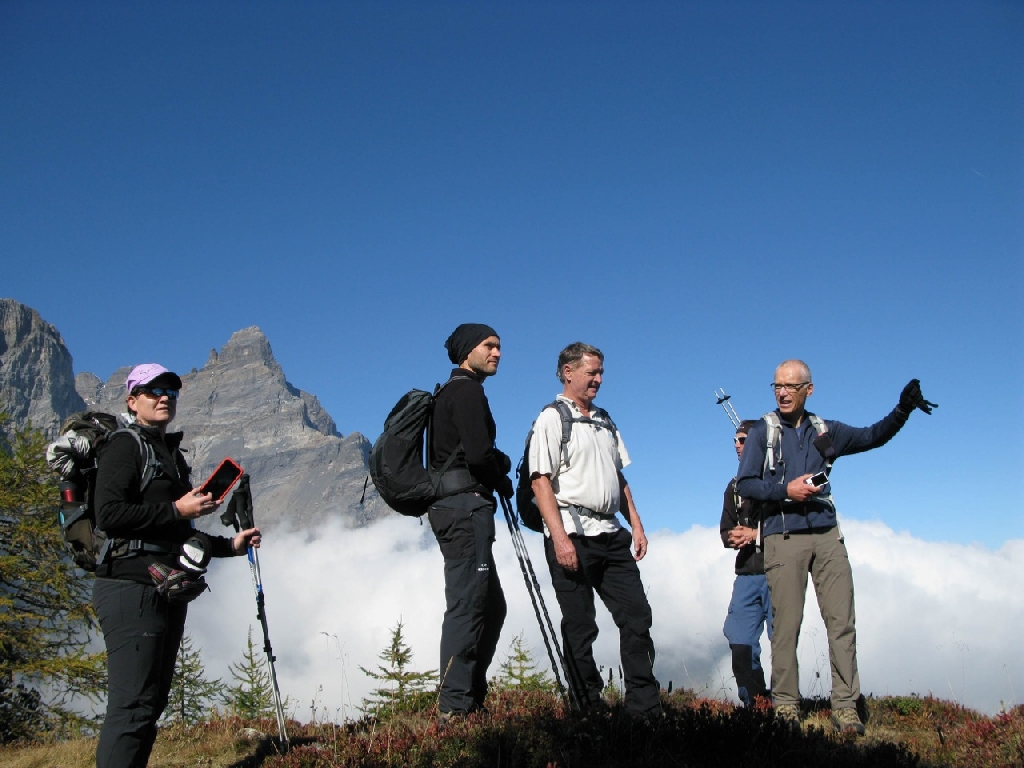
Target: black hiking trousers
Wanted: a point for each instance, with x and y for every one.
(608, 568)
(142, 632)
(475, 607)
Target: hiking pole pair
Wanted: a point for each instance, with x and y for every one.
(575, 695)
(239, 515)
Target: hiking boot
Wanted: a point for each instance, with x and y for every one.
(447, 718)
(788, 714)
(846, 720)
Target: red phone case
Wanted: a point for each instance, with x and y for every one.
(224, 464)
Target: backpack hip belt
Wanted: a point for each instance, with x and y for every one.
(587, 512)
(116, 549)
(156, 547)
(456, 481)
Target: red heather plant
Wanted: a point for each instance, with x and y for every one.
(982, 742)
(525, 729)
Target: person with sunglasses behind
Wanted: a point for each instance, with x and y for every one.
(153, 565)
(750, 607)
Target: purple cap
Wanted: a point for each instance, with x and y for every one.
(148, 373)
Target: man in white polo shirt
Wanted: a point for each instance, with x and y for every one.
(579, 487)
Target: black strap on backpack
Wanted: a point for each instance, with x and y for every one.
(446, 483)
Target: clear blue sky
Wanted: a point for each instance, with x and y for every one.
(700, 189)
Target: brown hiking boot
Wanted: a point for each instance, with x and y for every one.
(846, 720)
(788, 713)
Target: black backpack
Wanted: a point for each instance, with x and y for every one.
(73, 456)
(526, 502)
(397, 459)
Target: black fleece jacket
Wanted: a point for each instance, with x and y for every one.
(123, 512)
(463, 415)
(749, 559)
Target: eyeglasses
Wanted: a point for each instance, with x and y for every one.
(157, 392)
(791, 388)
(740, 439)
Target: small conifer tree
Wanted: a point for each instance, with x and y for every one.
(520, 671)
(252, 695)
(192, 694)
(403, 690)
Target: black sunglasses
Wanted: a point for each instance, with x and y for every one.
(157, 392)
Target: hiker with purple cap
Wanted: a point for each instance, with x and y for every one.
(154, 565)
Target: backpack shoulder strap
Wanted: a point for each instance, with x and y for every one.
(430, 436)
(566, 415)
(602, 413)
(821, 429)
(817, 423)
(151, 466)
(772, 443)
(567, 421)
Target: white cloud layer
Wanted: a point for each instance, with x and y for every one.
(934, 618)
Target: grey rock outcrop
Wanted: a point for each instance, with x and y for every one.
(239, 404)
(36, 379)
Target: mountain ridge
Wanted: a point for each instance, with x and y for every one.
(239, 404)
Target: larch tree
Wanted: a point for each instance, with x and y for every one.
(45, 603)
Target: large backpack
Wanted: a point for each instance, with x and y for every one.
(398, 464)
(526, 502)
(73, 456)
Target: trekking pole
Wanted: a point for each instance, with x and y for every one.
(723, 400)
(239, 515)
(547, 630)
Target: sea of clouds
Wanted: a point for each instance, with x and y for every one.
(932, 617)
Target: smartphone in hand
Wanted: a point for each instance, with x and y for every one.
(221, 481)
(817, 480)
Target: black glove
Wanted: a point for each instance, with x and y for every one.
(911, 398)
(505, 489)
(505, 461)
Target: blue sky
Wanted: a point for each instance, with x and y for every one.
(701, 190)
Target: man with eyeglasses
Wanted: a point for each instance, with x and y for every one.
(751, 604)
(801, 532)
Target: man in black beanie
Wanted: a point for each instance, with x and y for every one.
(472, 471)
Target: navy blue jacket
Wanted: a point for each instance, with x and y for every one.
(800, 457)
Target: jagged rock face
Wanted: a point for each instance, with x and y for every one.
(240, 405)
(36, 379)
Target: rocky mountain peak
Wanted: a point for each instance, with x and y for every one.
(248, 345)
(36, 379)
(239, 404)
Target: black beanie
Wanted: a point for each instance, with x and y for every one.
(465, 338)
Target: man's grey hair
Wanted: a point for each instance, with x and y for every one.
(801, 363)
(573, 354)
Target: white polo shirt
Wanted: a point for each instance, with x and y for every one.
(591, 479)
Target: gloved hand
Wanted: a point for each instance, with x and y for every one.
(505, 461)
(911, 398)
(505, 489)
